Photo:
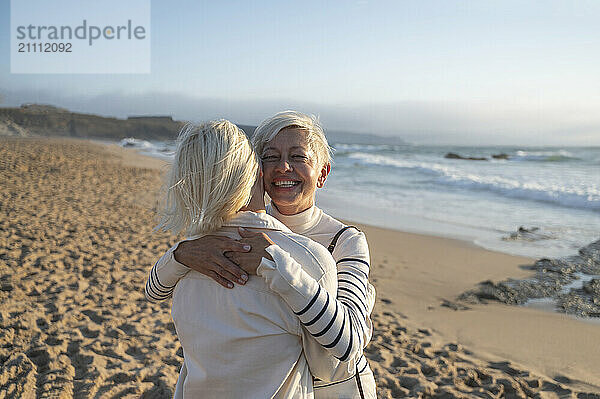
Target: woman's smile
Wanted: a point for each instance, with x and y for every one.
(285, 190)
(285, 183)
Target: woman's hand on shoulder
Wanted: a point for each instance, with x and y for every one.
(206, 255)
(249, 261)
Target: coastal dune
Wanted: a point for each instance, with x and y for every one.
(76, 242)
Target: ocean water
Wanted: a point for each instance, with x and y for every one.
(552, 192)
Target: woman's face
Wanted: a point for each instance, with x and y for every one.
(291, 173)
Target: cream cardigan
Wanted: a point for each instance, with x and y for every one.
(247, 342)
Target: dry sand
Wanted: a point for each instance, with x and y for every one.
(76, 243)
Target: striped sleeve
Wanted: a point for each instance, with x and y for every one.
(163, 277)
(337, 323)
(354, 290)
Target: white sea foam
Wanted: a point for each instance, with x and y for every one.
(573, 193)
(544, 156)
(363, 147)
(132, 142)
(159, 149)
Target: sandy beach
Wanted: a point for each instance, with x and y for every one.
(76, 242)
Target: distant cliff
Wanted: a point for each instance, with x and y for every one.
(46, 120)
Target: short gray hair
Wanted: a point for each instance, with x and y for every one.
(270, 127)
(211, 178)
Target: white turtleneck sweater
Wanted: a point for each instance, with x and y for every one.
(343, 324)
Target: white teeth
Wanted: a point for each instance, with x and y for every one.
(285, 183)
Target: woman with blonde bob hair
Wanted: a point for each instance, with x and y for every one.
(296, 160)
(245, 343)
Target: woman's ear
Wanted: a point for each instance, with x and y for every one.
(323, 175)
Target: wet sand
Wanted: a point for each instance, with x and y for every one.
(76, 242)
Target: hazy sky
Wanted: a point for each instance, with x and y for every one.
(470, 72)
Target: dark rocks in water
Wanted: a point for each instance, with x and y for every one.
(592, 287)
(591, 252)
(550, 279)
(559, 266)
(501, 292)
(528, 234)
(513, 292)
(452, 155)
(578, 303)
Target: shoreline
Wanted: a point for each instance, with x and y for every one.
(528, 242)
(517, 240)
(74, 320)
(150, 161)
(488, 239)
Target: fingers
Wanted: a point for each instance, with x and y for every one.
(234, 245)
(227, 275)
(206, 255)
(230, 270)
(266, 237)
(249, 262)
(257, 241)
(246, 233)
(224, 277)
(219, 279)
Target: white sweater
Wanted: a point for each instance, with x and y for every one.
(247, 342)
(341, 323)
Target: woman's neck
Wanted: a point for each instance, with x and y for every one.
(299, 222)
(293, 209)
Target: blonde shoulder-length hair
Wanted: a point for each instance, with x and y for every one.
(210, 180)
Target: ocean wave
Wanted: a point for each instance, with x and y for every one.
(354, 147)
(583, 197)
(341, 149)
(160, 150)
(545, 156)
(131, 142)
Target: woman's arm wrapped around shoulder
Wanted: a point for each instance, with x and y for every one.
(323, 350)
(341, 324)
(205, 255)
